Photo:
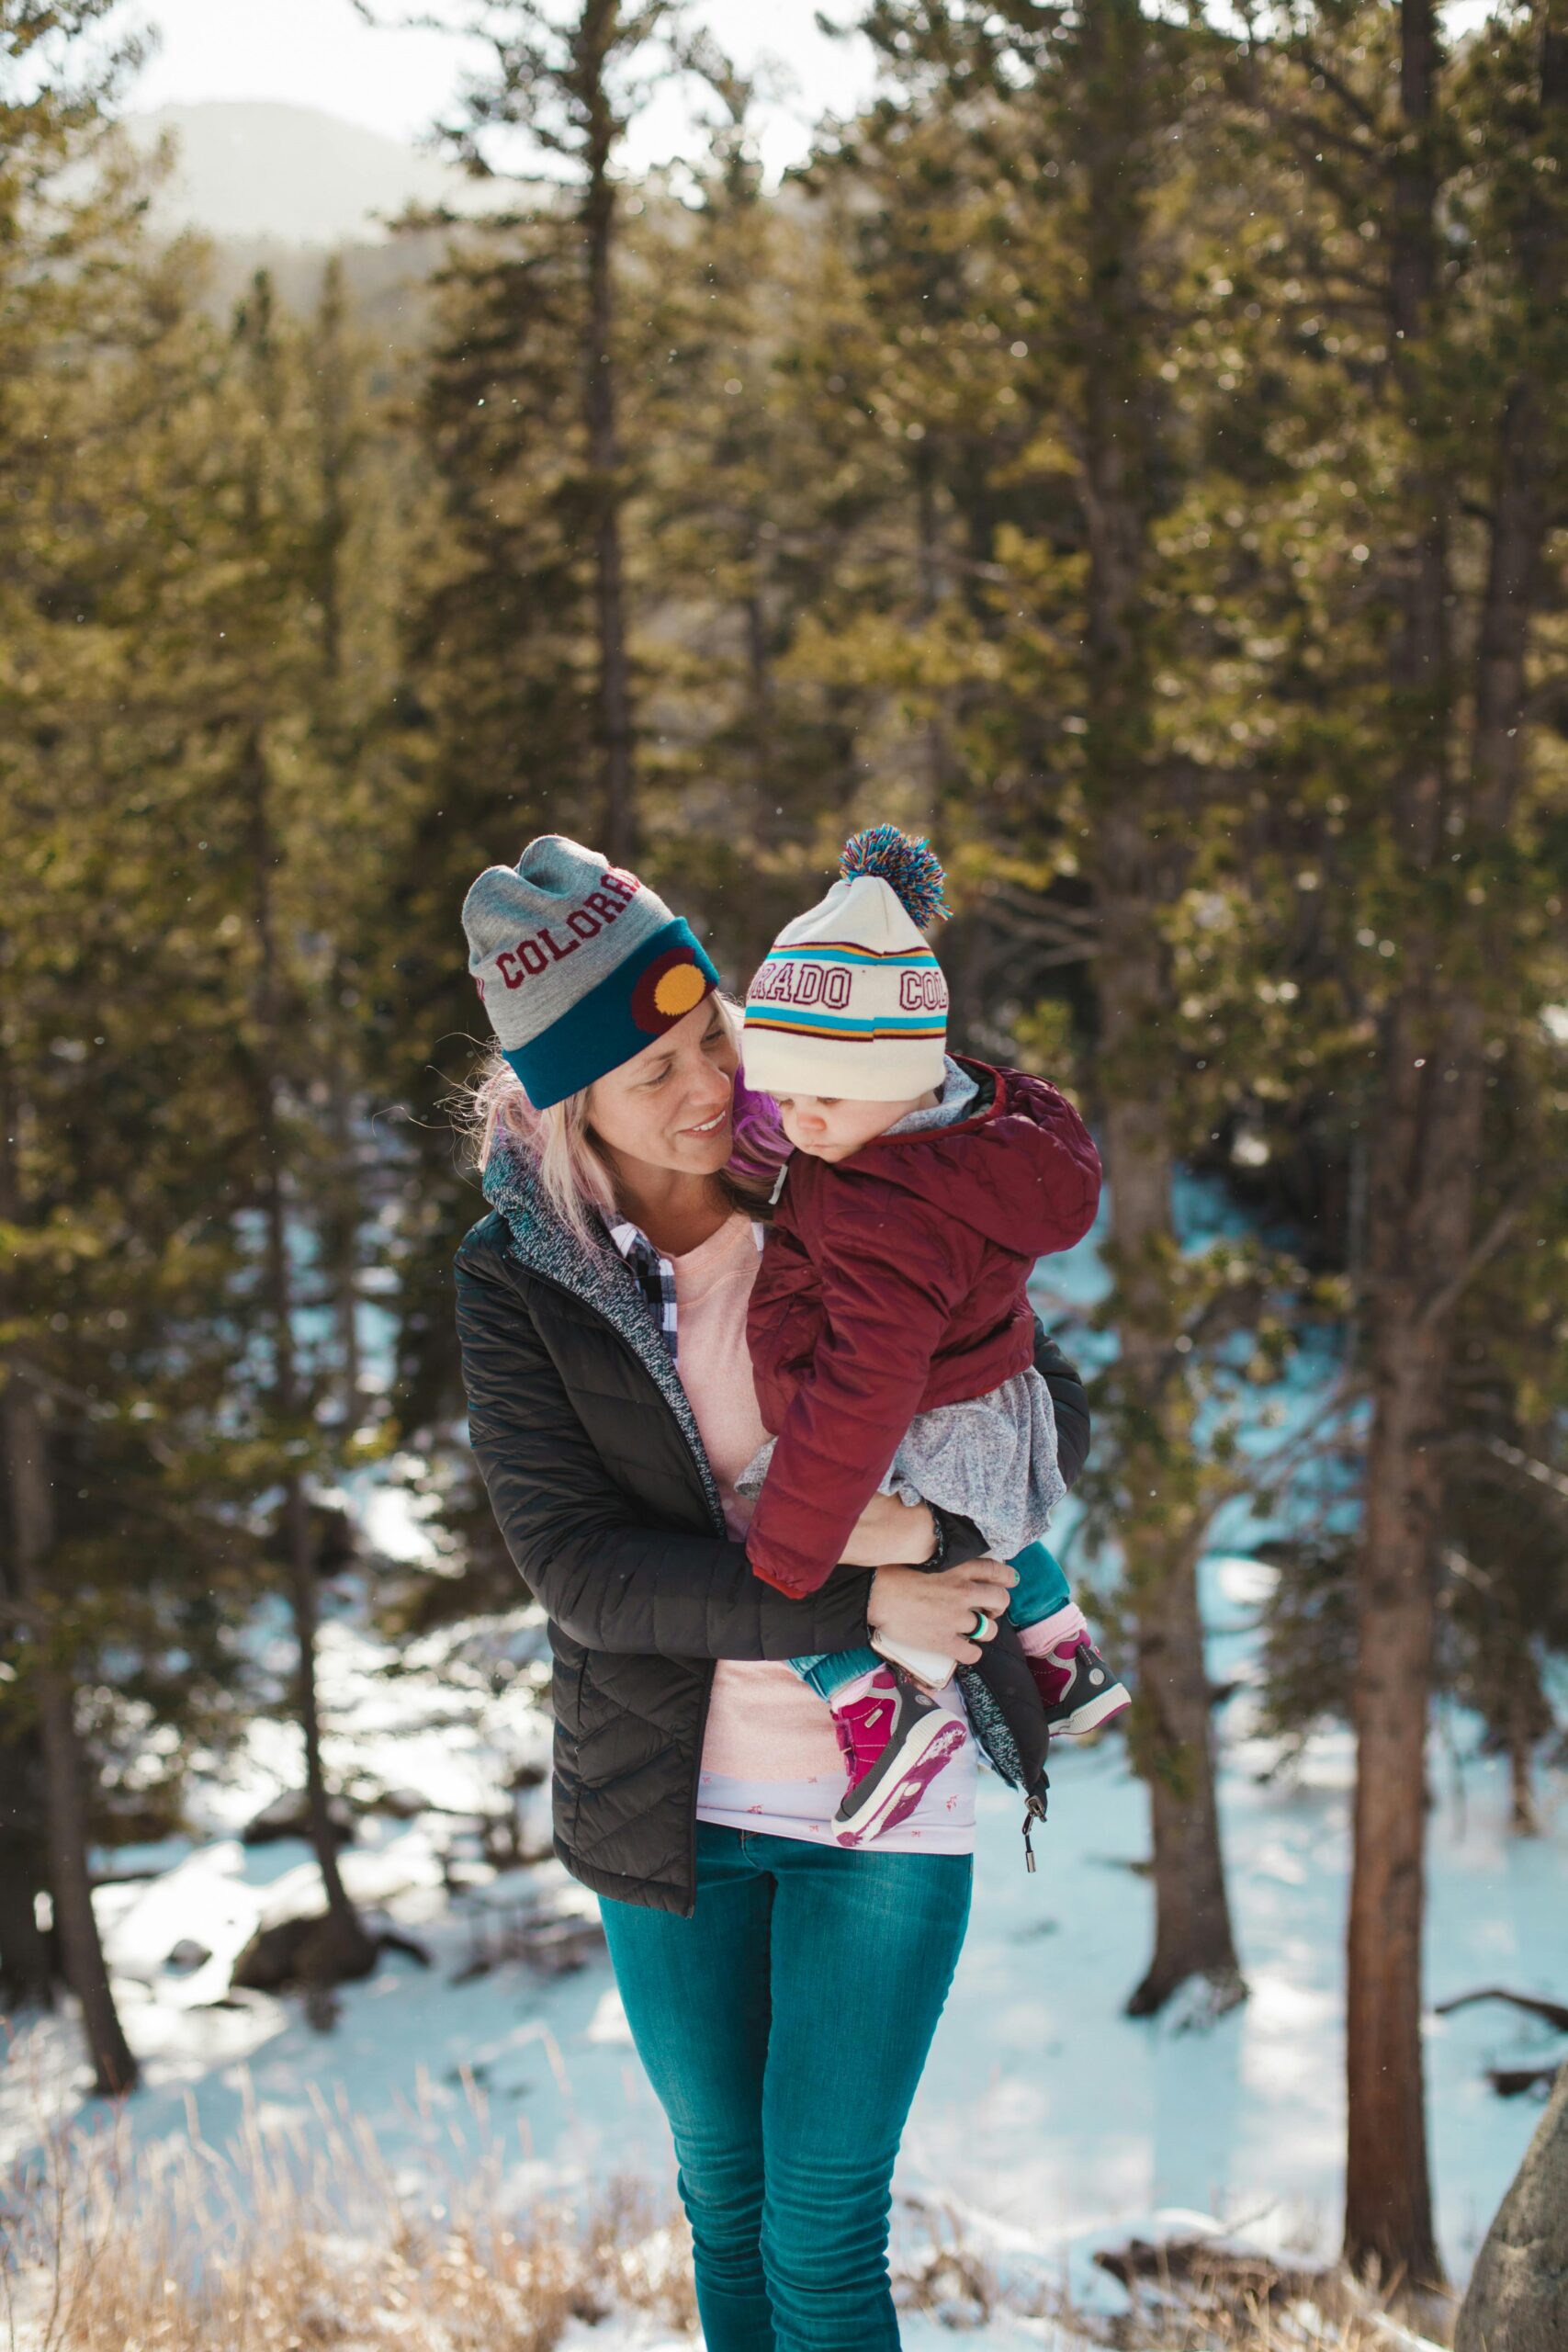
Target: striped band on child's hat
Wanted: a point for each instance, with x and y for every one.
(580, 965)
(850, 1000)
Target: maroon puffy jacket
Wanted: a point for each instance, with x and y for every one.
(894, 1281)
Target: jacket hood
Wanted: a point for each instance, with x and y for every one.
(1021, 1172)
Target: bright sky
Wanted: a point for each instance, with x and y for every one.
(320, 53)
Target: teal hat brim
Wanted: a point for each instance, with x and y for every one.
(617, 1020)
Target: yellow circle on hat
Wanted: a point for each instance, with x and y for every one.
(678, 990)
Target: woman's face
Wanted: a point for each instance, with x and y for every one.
(671, 1105)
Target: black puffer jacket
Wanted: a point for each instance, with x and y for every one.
(602, 1489)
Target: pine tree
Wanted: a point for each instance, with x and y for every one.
(562, 91)
(1429, 233)
(303, 823)
(522, 649)
(68, 205)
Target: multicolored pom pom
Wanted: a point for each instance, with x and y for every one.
(910, 868)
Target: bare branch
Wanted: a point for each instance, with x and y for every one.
(1485, 1250)
(1332, 79)
(1541, 1471)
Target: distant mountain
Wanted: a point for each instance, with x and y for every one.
(293, 174)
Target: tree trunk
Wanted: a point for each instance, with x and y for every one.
(761, 698)
(32, 1536)
(1524, 1819)
(1388, 2205)
(31, 1530)
(27, 1974)
(342, 1227)
(1172, 1732)
(1518, 2300)
(939, 762)
(1426, 1151)
(335, 442)
(344, 1950)
(26, 1979)
(26, 1969)
(598, 38)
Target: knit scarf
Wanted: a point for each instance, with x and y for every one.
(600, 1277)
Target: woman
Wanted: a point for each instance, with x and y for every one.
(782, 1990)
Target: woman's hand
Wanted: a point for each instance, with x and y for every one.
(934, 1610)
(889, 1534)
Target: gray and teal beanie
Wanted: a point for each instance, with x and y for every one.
(580, 965)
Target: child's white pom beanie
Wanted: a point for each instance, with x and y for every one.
(850, 1000)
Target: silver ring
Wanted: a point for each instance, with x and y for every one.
(981, 1626)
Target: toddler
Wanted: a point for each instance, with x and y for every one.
(890, 1329)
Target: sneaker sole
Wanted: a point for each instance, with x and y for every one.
(896, 1796)
(1093, 1713)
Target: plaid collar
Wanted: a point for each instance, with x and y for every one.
(656, 1276)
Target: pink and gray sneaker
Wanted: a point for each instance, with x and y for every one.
(895, 1740)
(1079, 1690)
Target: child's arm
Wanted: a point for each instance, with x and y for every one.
(883, 1314)
(785, 1320)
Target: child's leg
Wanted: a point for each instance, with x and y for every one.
(1079, 1690)
(828, 1673)
(892, 1736)
(1041, 1589)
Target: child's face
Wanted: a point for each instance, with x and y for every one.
(832, 1126)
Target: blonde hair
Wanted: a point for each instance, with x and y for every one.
(573, 1167)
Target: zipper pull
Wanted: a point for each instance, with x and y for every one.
(1033, 1810)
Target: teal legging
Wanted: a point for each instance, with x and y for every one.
(795, 1954)
(1041, 1589)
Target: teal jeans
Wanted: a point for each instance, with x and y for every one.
(1041, 1589)
(784, 2026)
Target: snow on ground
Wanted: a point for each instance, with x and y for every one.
(1047, 2123)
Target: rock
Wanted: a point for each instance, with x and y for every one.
(311, 1951)
(1518, 2293)
(288, 1816)
(399, 1804)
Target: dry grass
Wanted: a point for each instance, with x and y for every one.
(1192, 2296)
(301, 2241)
